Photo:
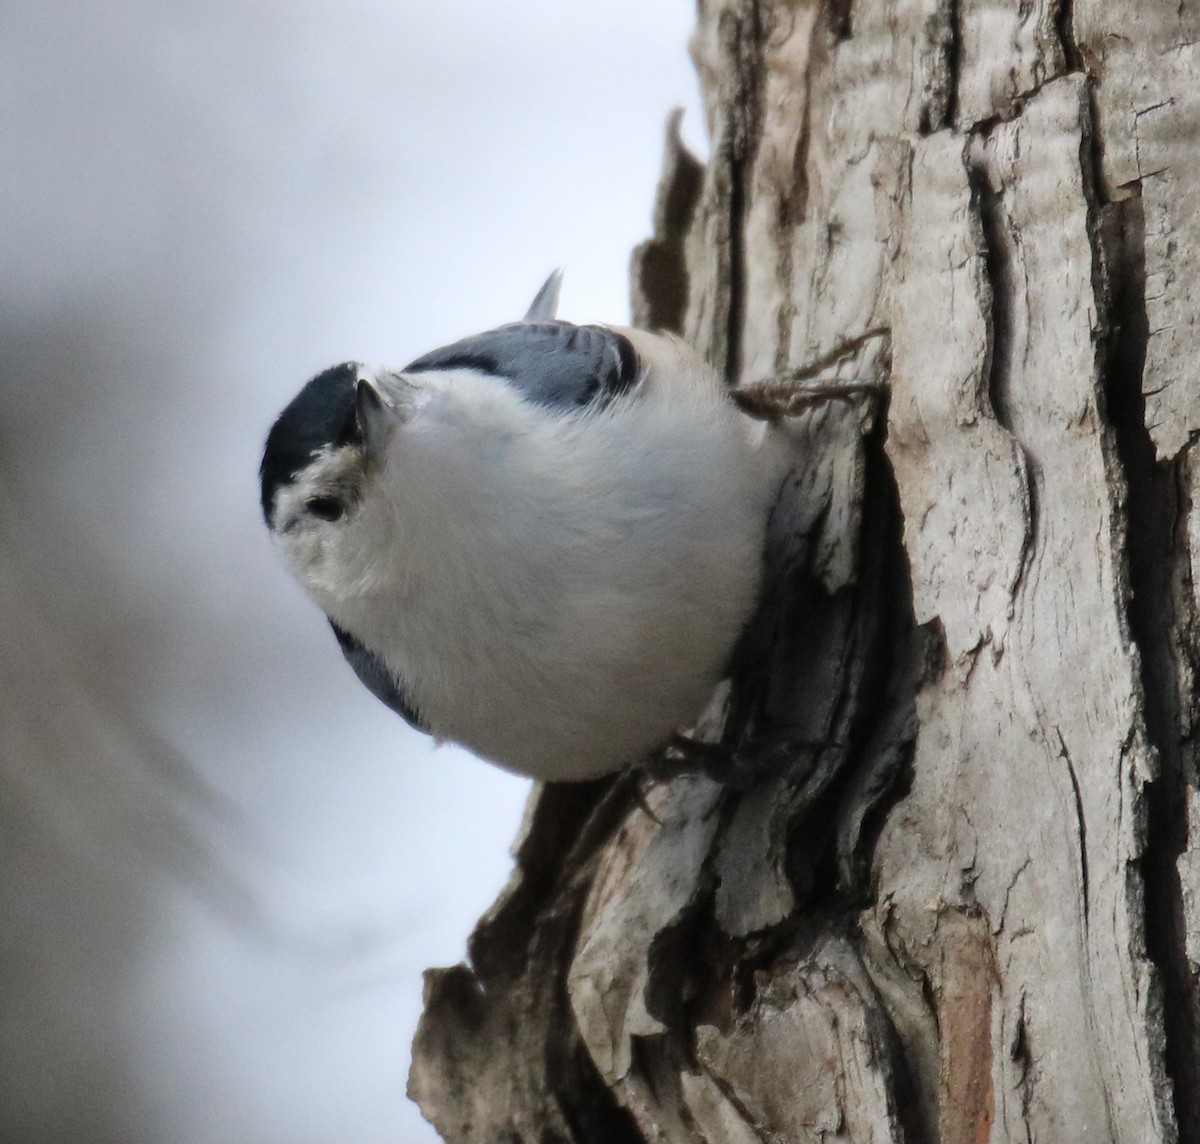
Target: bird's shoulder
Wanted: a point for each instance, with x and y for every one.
(550, 363)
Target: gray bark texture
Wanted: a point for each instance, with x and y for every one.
(964, 908)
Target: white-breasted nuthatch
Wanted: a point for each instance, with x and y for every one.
(540, 542)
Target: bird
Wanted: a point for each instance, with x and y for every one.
(541, 542)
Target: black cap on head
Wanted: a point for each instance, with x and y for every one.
(323, 413)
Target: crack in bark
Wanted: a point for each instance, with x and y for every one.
(737, 270)
(1152, 514)
(884, 722)
(1064, 28)
(999, 242)
(1081, 823)
(1023, 1059)
(953, 59)
(1008, 890)
(744, 137)
(840, 14)
(997, 245)
(939, 106)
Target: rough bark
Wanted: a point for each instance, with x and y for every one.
(972, 914)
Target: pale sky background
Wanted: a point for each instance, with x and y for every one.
(203, 204)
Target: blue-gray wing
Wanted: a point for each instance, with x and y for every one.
(378, 680)
(555, 364)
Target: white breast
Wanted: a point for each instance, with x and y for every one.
(559, 594)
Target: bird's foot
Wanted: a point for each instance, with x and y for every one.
(738, 766)
(775, 400)
(797, 390)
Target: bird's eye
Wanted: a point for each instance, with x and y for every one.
(325, 508)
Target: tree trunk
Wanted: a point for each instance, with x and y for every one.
(969, 911)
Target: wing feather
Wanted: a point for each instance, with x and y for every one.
(554, 364)
(378, 680)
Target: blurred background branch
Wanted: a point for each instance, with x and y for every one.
(204, 204)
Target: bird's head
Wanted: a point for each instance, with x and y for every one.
(322, 460)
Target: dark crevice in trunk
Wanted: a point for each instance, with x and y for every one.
(1081, 825)
(840, 13)
(1064, 27)
(1152, 513)
(999, 241)
(953, 59)
(884, 721)
(940, 103)
(745, 132)
(893, 658)
(1023, 1059)
(997, 244)
(737, 271)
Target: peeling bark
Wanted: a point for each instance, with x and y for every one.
(964, 907)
